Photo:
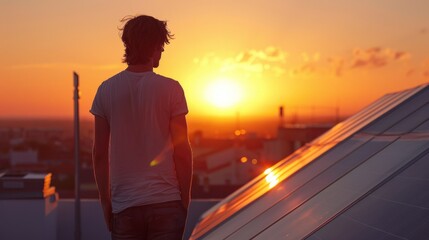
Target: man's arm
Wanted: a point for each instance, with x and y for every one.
(100, 157)
(182, 156)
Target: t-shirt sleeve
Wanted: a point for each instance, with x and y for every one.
(97, 104)
(178, 101)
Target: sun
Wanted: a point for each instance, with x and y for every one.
(223, 93)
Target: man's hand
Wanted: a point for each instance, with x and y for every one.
(182, 157)
(100, 158)
(108, 215)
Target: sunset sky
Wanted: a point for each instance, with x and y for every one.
(246, 57)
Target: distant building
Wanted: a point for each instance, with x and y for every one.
(43, 135)
(4, 135)
(8, 134)
(223, 165)
(40, 135)
(228, 166)
(290, 138)
(27, 156)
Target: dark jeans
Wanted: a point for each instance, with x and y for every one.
(153, 221)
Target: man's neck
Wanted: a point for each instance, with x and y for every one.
(140, 68)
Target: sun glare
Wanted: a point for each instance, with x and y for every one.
(271, 178)
(223, 93)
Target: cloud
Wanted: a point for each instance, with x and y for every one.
(376, 57)
(272, 60)
(421, 69)
(337, 65)
(268, 60)
(369, 58)
(270, 54)
(306, 68)
(401, 55)
(310, 64)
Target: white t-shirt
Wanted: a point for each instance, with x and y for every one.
(138, 108)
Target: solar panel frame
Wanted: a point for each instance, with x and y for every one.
(422, 128)
(406, 110)
(367, 115)
(411, 122)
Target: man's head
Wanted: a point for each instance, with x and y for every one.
(144, 38)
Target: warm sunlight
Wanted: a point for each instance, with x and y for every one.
(271, 178)
(223, 93)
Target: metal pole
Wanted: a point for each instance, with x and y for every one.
(281, 116)
(76, 157)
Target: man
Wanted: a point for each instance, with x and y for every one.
(142, 158)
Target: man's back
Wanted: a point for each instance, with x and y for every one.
(138, 107)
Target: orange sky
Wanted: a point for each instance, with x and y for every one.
(309, 56)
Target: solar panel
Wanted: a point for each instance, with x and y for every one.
(329, 169)
(405, 110)
(311, 189)
(367, 115)
(411, 121)
(422, 128)
(254, 212)
(345, 191)
(397, 210)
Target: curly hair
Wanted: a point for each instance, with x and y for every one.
(142, 35)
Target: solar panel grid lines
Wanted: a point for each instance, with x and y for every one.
(365, 116)
(406, 111)
(399, 202)
(424, 127)
(334, 199)
(377, 229)
(397, 208)
(418, 172)
(340, 126)
(384, 107)
(417, 118)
